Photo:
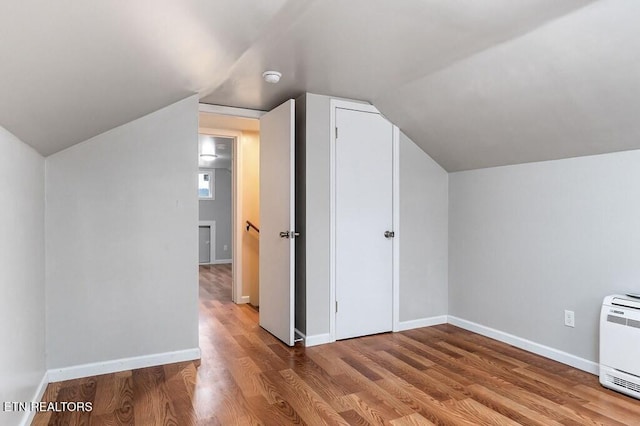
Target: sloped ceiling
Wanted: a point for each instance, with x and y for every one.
(474, 83)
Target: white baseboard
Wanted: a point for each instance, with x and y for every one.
(221, 262)
(318, 339)
(422, 322)
(124, 364)
(527, 345)
(244, 299)
(37, 397)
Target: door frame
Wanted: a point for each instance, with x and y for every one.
(212, 239)
(395, 211)
(236, 187)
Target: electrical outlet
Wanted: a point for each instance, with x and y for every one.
(569, 318)
(225, 247)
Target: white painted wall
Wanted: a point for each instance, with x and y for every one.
(22, 302)
(122, 282)
(529, 241)
(424, 237)
(315, 208)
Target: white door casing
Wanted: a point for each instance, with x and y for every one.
(277, 215)
(364, 275)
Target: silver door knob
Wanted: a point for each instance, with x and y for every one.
(289, 234)
(389, 234)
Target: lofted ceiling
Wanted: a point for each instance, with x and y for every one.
(475, 83)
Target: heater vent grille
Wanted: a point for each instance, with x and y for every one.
(623, 383)
(623, 321)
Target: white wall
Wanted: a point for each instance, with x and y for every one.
(22, 293)
(122, 282)
(529, 241)
(424, 217)
(317, 138)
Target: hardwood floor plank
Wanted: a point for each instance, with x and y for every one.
(535, 402)
(436, 389)
(309, 399)
(440, 375)
(414, 419)
(410, 359)
(246, 374)
(480, 414)
(50, 394)
(124, 412)
(304, 404)
(182, 401)
(106, 395)
(373, 413)
(428, 407)
(354, 418)
(510, 408)
(329, 388)
(80, 390)
(152, 402)
(276, 414)
(373, 388)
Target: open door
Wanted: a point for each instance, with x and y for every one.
(277, 221)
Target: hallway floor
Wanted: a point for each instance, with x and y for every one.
(435, 375)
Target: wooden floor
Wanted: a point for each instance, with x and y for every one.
(438, 375)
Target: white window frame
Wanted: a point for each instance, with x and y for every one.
(212, 184)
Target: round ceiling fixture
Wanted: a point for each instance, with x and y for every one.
(271, 76)
(208, 157)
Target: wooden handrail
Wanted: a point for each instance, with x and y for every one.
(251, 225)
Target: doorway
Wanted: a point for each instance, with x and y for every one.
(215, 198)
(256, 280)
(229, 138)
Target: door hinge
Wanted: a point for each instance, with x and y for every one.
(336, 306)
(336, 132)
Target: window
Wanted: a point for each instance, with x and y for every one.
(206, 186)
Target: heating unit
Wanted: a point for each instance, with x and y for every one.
(620, 344)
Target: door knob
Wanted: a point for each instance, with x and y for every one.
(289, 234)
(389, 234)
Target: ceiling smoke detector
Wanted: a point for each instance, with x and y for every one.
(271, 76)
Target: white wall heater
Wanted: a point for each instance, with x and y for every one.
(620, 344)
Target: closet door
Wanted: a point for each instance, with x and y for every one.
(363, 222)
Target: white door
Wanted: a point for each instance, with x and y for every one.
(277, 221)
(364, 207)
(204, 247)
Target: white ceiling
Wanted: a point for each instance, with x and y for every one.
(474, 83)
